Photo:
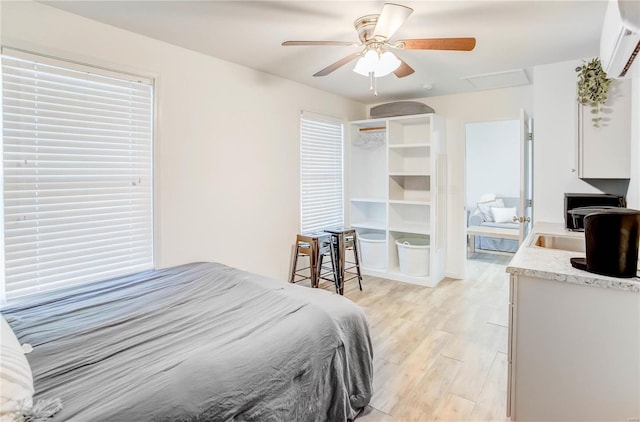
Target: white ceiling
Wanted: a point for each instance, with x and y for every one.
(510, 35)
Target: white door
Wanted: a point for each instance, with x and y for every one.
(526, 179)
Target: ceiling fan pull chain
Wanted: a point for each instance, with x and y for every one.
(373, 84)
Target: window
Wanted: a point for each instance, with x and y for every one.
(77, 174)
(321, 175)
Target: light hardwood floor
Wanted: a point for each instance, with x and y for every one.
(440, 354)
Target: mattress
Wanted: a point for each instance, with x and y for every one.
(198, 342)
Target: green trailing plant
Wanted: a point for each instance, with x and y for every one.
(593, 88)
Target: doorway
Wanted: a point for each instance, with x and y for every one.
(498, 186)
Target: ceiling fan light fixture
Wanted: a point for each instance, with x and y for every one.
(379, 65)
(367, 63)
(387, 64)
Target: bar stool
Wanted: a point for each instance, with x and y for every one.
(344, 239)
(315, 246)
(327, 248)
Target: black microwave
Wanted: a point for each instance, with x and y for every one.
(577, 205)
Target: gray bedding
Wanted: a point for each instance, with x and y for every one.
(198, 342)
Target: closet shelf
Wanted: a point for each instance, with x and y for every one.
(410, 173)
(416, 145)
(372, 200)
(409, 202)
(373, 225)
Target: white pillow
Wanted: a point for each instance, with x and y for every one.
(485, 208)
(16, 380)
(503, 215)
(487, 197)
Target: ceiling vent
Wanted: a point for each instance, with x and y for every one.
(504, 79)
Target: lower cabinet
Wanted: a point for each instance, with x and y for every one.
(574, 351)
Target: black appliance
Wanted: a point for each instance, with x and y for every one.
(612, 238)
(589, 202)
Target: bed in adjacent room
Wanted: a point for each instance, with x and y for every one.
(197, 342)
(495, 213)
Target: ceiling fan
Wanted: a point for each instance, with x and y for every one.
(376, 57)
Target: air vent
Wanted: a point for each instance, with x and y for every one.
(504, 79)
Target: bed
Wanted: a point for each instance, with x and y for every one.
(197, 342)
(491, 234)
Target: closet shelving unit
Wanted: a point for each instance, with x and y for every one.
(397, 187)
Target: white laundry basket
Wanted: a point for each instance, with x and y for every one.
(372, 250)
(413, 254)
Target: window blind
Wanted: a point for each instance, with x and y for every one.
(77, 175)
(321, 173)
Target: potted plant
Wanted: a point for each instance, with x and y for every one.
(593, 88)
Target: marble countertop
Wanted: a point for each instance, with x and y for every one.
(553, 264)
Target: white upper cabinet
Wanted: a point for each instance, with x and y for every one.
(604, 151)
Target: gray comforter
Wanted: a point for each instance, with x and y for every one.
(198, 342)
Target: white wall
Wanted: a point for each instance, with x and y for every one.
(492, 160)
(633, 196)
(458, 110)
(555, 143)
(226, 141)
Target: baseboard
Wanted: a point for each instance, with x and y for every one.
(457, 276)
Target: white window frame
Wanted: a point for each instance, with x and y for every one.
(151, 173)
(318, 123)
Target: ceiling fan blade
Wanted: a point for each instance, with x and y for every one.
(461, 44)
(347, 43)
(403, 70)
(391, 18)
(337, 64)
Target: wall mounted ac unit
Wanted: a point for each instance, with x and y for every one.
(620, 39)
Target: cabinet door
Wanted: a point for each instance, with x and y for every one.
(510, 345)
(575, 352)
(604, 151)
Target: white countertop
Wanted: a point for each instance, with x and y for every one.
(553, 264)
